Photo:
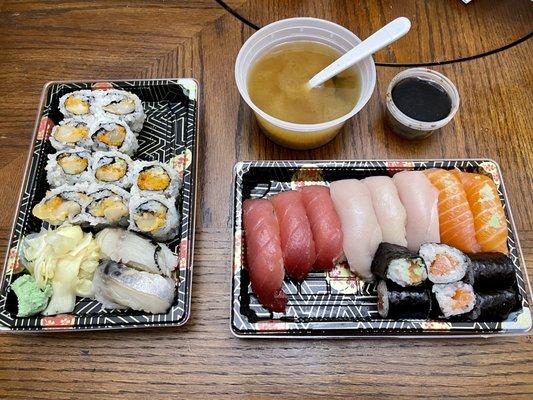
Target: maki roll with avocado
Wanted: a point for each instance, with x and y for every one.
(155, 216)
(444, 264)
(62, 204)
(395, 302)
(489, 271)
(153, 177)
(77, 104)
(108, 205)
(109, 135)
(398, 264)
(454, 299)
(68, 167)
(71, 133)
(112, 167)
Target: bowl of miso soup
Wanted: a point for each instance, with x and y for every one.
(272, 70)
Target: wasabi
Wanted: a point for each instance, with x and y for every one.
(31, 299)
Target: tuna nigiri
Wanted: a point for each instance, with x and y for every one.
(360, 227)
(489, 218)
(263, 253)
(420, 200)
(388, 208)
(456, 222)
(325, 225)
(297, 242)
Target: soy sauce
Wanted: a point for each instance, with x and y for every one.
(421, 99)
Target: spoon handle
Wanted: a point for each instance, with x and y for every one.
(379, 39)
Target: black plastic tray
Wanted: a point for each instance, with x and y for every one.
(169, 134)
(338, 304)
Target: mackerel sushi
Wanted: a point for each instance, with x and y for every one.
(68, 167)
(62, 204)
(112, 167)
(113, 135)
(71, 133)
(494, 305)
(398, 264)
(395, 302)
(445, 264)
(454, 299)
(77, 104)
(492, 271)
(120, 106)
(154, 177)
(154, 215)
(108, 205)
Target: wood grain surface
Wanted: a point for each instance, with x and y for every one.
(48, 40)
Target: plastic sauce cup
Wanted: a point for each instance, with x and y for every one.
(289, 134)
(410, 128)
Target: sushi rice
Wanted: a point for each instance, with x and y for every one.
(108, 205)
(109, 135)
(112, 167)
(154, 215)
(71, 133)
(154, 177)
(445, 264)
(68, 167)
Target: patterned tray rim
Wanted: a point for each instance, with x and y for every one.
(243, 166)
(190, 83)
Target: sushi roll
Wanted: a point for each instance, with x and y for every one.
(77, 104)
(153, 177)
(107, 205)
(395, 302)
(62, 204)
(71, 133)
(117, 286)
(492, 271)
(445, 264)
(136, 252)
(68, 167)
(494, 305)
(112, 167)
(454, 299)
(154, 215)
(121, 106)
(399, 265)
(113, 135)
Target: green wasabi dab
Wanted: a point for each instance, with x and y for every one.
(31, 299)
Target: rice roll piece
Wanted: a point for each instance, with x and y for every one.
(113, 135)
(395, 302)
(492, 271)
(297, 243)
(398, 264)
(68, 167)
(117, 287)
(121, 106)
(420, 200)
(454, 299)
(62, 204)
(154, 177)
(445, 264)
(325, 225)
(76, 104)
(155, 216)
(108, 205)
(264, 257)
(360, 227)
(137, 252)
(112, 167)
(389, 210)
(494, 305)
(70, 134)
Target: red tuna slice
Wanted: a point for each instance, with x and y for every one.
(263, 253)
(297, 241)
(325, 225)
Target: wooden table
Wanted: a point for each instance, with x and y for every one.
(481, 47)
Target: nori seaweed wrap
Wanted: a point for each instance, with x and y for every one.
(490, 271)
(399, 265)
(395, 302)
(494, 305)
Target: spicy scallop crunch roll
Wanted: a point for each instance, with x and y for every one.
(79, 103)
(112, 167)
(108, 135)
(68, 167)
(63, 204)
(154, 215)
(119, 105)
(153, 177)
(108, 206)
(71, 133)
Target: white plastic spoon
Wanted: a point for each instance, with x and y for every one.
(388, 34)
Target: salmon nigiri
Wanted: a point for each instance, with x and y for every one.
(456, 222)
(263, 253)
(489, 218)
(297, 241)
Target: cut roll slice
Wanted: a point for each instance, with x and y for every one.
(155, 216)
(112, 167)
(454, 299)
(109, 135)
(71, 133)
(395, 302)
(68, 167)
(445, 264)
(399, 265)
(62, 204)
(154, 177)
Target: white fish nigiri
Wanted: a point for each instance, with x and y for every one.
(118, 286)
(388, 208)
(137, 252)
(420, 200)
(360, 227)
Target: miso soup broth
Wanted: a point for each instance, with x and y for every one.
(277, 84)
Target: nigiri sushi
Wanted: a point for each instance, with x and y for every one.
(489, 218)
(263, 253)
(456, 222)
(388, 208)
(118, 286)
(420, 200)
(297, 243)
(325, 225)
(360, 227)
(137, 252)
